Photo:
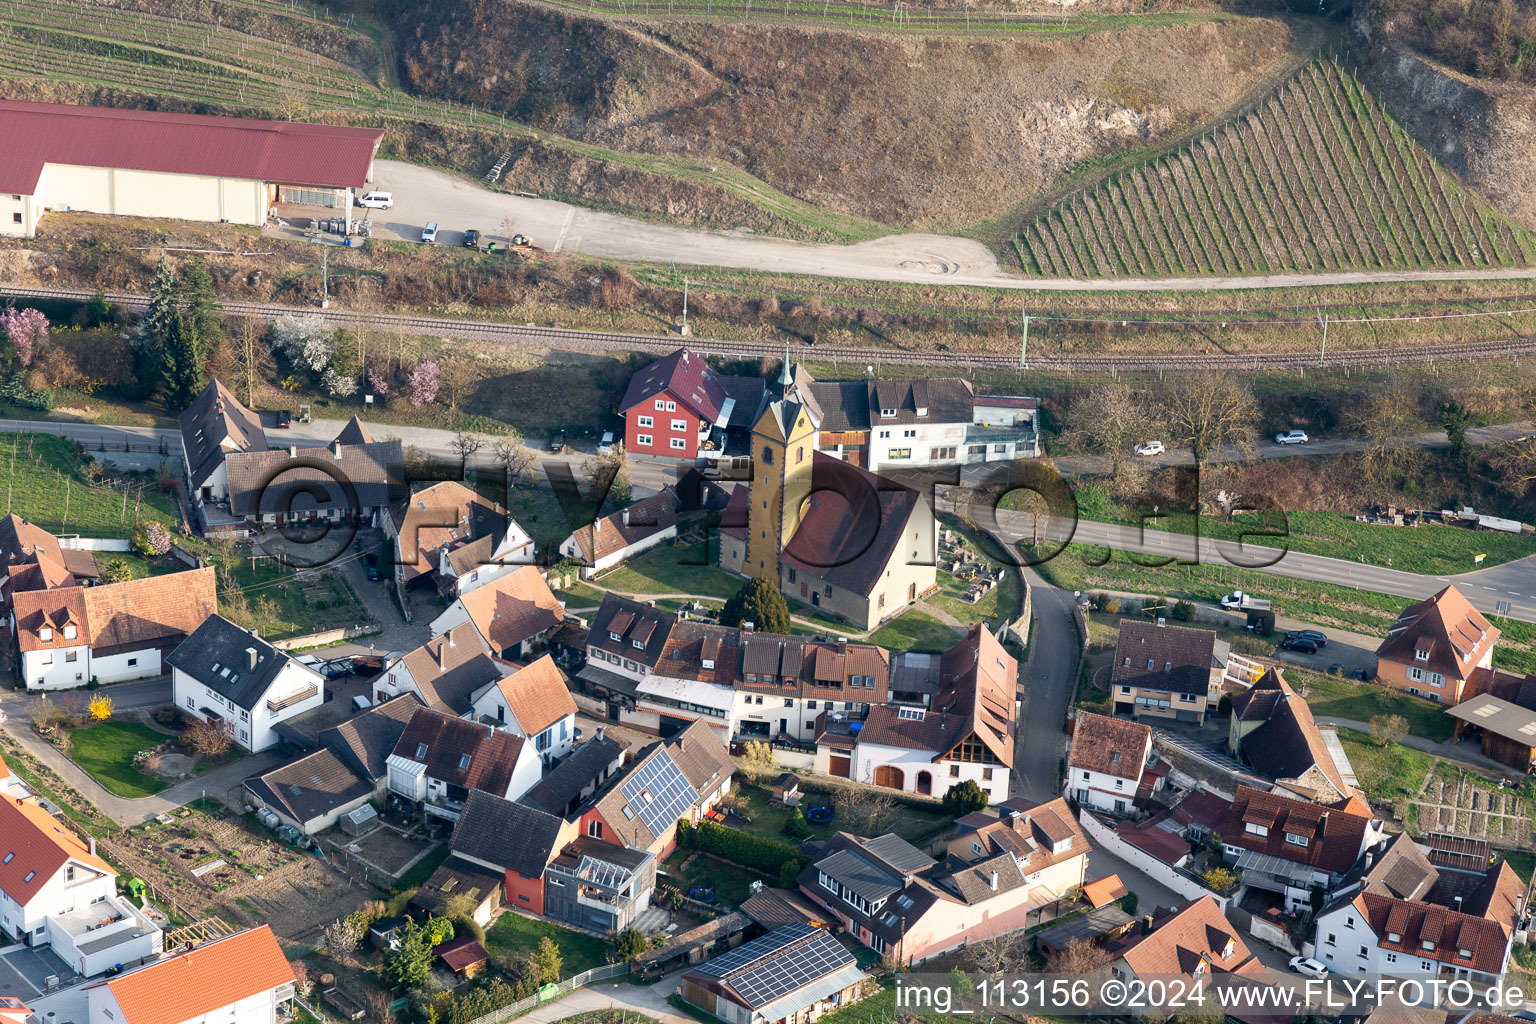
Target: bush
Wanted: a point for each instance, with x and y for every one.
(795, 826)
(630, 945)
(150, 540)
(760, 603)
(1184, 611)
(963, 798)
(788, 873)
(469, 926)
(745, 848)
(14, 390)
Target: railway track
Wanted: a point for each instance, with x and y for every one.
(600, 341)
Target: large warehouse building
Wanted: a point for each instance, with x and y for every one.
(145, 163)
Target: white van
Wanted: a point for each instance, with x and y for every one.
(377, 200)
(606, 444)
(429, 233)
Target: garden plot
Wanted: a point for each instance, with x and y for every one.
(1459, 804)
(204, 866)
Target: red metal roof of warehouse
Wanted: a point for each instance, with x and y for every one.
(152, 140)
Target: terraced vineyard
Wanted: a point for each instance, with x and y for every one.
(1317, 178)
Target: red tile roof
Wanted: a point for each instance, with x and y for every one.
(1451, 634)
(686, 377)
(153, 611)
(513, 608)
(1450, 931)
(1184, 936)
(211, 976)
(1111, 746)
(34, 842)
(537, 696)
(1334, 837)
(148, 140)
(1105, 891)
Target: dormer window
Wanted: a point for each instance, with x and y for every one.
(887, 414)
(1395, 937)
(1229, 948)
(637, 645)
(1427, 944)
(708, 663)
(922, 410)
(45, 634)
(1420, 655)
(614, 636)
(1465, 954)
(911, 714)
(69, 631)
(1296, 840)
(1255, 830)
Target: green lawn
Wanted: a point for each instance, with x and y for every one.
(732, 883)
(670, 570)
(515, 933)
(1328, 696)
(106, 750)
(45, 481)
(915, 629)
(1385, 773)
(1001, 602)
(418, 875)
(911, 823)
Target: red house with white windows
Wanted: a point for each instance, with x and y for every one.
(672, 405)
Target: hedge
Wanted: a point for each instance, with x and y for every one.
(744, 848)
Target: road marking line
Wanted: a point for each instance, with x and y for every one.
(570, 214)
(1491, 590)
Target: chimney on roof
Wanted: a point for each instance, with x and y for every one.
(253, 632)
(598, 734)
(624, 514)
(1458, 904)
(250, 653)
(293, 451)
(1370, 858)
(336, 447)
(597, 525)
(747, 627)
(93, 846)
(993, 881)
(1146, 924)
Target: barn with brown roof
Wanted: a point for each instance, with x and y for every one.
(151, 163)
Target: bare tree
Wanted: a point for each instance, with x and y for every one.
(456, 904)
(609, 473)
(1385, 420)
(515, 457)
(998, 954)
(465, 445)
(1080, 956)
(42, 711)
(1388, 729)
(1516, 460)
(1210, 411)
(343, 936)
(456, 378)
(869, 811)
(1108, 420)
(208, 738)
(253, 359)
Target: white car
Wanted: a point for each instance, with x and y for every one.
(606, 444)
(1311, 968)
(1150, 448)
(429, 233)
(377, 200)
(1292, 437)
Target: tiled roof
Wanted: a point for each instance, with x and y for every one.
(215, 425)
(1181, 938)
(451, 667)
(218, 654)
(619, 530)
(41, 845)
(1112, 746)
(366, 739)
(491, 753)
(1449, 931)
(153, 611)
(1451, 634)
(461, 953)
(512, 608)
(32, 556)
(686, 377)
(774, 908)
(632, 622)
(1333, 838)
(341, 477)
(855, 525)
(1287, 745)
(507, 834)
(1172, 658)
(584, 767)
(188, 986)
(537, 695)
(355, 432)
(1104, 891)
(854, 405)
(310, 786)
(448, 516)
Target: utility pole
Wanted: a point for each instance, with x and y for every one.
(325, 282)
(1024, 347)
(683, 328)
(1322, 318)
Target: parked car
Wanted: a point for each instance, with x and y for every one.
(284, 419)
(374, 575)
(1311, 968)
(1299, 644)
(606, 444)
(557, 441)
(429, 233)
(471, 239)
(1308, 634)
(377, 200)
(1292, 437)
(1150, 448)
(1360, 674)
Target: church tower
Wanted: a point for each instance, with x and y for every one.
(783, 444)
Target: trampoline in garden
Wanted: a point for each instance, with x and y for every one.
(703, 891)
(819, 816)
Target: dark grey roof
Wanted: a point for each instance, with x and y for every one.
(506, 834)
(844, 404)
(457, 876)
(750, 393)
(857, 404)
(1084, 927)
(218, 655)
(898, 853)
(365, 740)
(858, 875)
(310, 786)
(214, 417)
(342, 477)
(584, 767)
(354, 433)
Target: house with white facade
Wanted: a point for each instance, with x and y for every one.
(71, 635)
(1106, 761)
(236, 979)
(1290, 847)
(997, 877)
(531, 701)
(965, 733)
(215, 425)
(452, 537)
(444, 673)
(439, 759)
(229, 675)
(55, 891)
(512, 614)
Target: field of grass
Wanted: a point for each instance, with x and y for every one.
(106, 751)
(669, 570)
(732, 883)
(1347, 698)
(1385, 773)
(514, 933)
(44, 481)
(911, 823)
(1318, 178)
(915, 630)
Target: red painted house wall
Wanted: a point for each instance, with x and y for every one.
(525, 893)
(661, 432)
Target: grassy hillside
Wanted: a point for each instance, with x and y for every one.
(42, 478)
(1318, 178)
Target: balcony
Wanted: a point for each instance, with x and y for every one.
(297, 697)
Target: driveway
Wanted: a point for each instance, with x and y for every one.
(1150, 894)
(1047, 692)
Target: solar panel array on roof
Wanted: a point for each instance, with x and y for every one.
(741, 956)
(659, 792)
(784, 963)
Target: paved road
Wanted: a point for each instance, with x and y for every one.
(456, 204)
(1512, 582)
(1047, 693)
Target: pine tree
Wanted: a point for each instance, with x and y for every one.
(195, 296)
(149, 337)
(760, 603)
(181, 362)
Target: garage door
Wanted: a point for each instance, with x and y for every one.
(309, 196)
(840, 766)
